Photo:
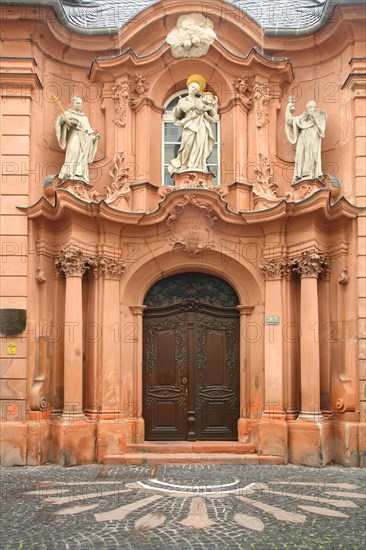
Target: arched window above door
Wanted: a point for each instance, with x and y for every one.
(192, 286)
(172, 137)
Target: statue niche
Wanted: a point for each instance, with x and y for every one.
(194, 114)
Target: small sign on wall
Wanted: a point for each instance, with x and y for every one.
(12, 349)
(272, 320)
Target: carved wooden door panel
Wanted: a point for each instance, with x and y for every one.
(165, 375)
(191, 359)
(215, 376)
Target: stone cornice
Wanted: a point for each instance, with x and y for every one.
(254, 60)
(318, 202)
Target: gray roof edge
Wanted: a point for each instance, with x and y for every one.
(62, 17)
(268, 31)
(329, 7)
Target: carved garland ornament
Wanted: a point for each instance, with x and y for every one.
(120, 190)
(265, 184)
(261, 96)
(127, 94)
(243, 91)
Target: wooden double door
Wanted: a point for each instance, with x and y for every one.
(191, 372)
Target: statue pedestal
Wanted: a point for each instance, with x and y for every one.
(305, 187)
(193, 178)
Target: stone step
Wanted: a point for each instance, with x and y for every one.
(232, 447)
(147, 459)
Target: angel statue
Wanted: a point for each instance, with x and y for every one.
(307, 130)
(75, 134)
(195, 113)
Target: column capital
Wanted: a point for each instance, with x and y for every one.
(311, 263)
(275, 268)
(107, 268)
(245, 310)
(138, 309)
(70, 263)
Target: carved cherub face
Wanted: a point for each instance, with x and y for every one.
(208, 98)
(194, 88)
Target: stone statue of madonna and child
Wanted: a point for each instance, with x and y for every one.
(194, 114)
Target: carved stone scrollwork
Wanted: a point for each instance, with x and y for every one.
(38, 402)
(265, 184)
(118, 194)
(275, 268)
(40, 276)
(81, 190)
(243, 91)
(344, 277)
(261, 96)
(311, 264)
(192, 225)
(121, 96)
(139, 90)
(128, 94)
(265, 189)
(71, 263)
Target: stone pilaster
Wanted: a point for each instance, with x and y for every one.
(72, 265)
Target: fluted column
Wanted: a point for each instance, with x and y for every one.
(71, 264)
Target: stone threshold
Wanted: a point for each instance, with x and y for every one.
(233, 447)
(151, 458)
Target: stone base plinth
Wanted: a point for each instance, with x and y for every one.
(273, 438)
(72, 443)
(305, 187)
(349, 443)
(310, 443)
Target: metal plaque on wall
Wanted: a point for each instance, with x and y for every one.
(12, 321)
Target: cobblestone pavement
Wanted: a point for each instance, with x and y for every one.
(182, 507)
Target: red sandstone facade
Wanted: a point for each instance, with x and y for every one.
(80, 260)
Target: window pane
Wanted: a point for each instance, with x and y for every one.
(170, 152)
(171, 132)
(167, 178)
(214, 130)
(174, 102)
(212, 159)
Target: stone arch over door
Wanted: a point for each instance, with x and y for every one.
(191, 359)
(140, 277)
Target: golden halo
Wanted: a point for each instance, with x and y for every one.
(198, 79)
